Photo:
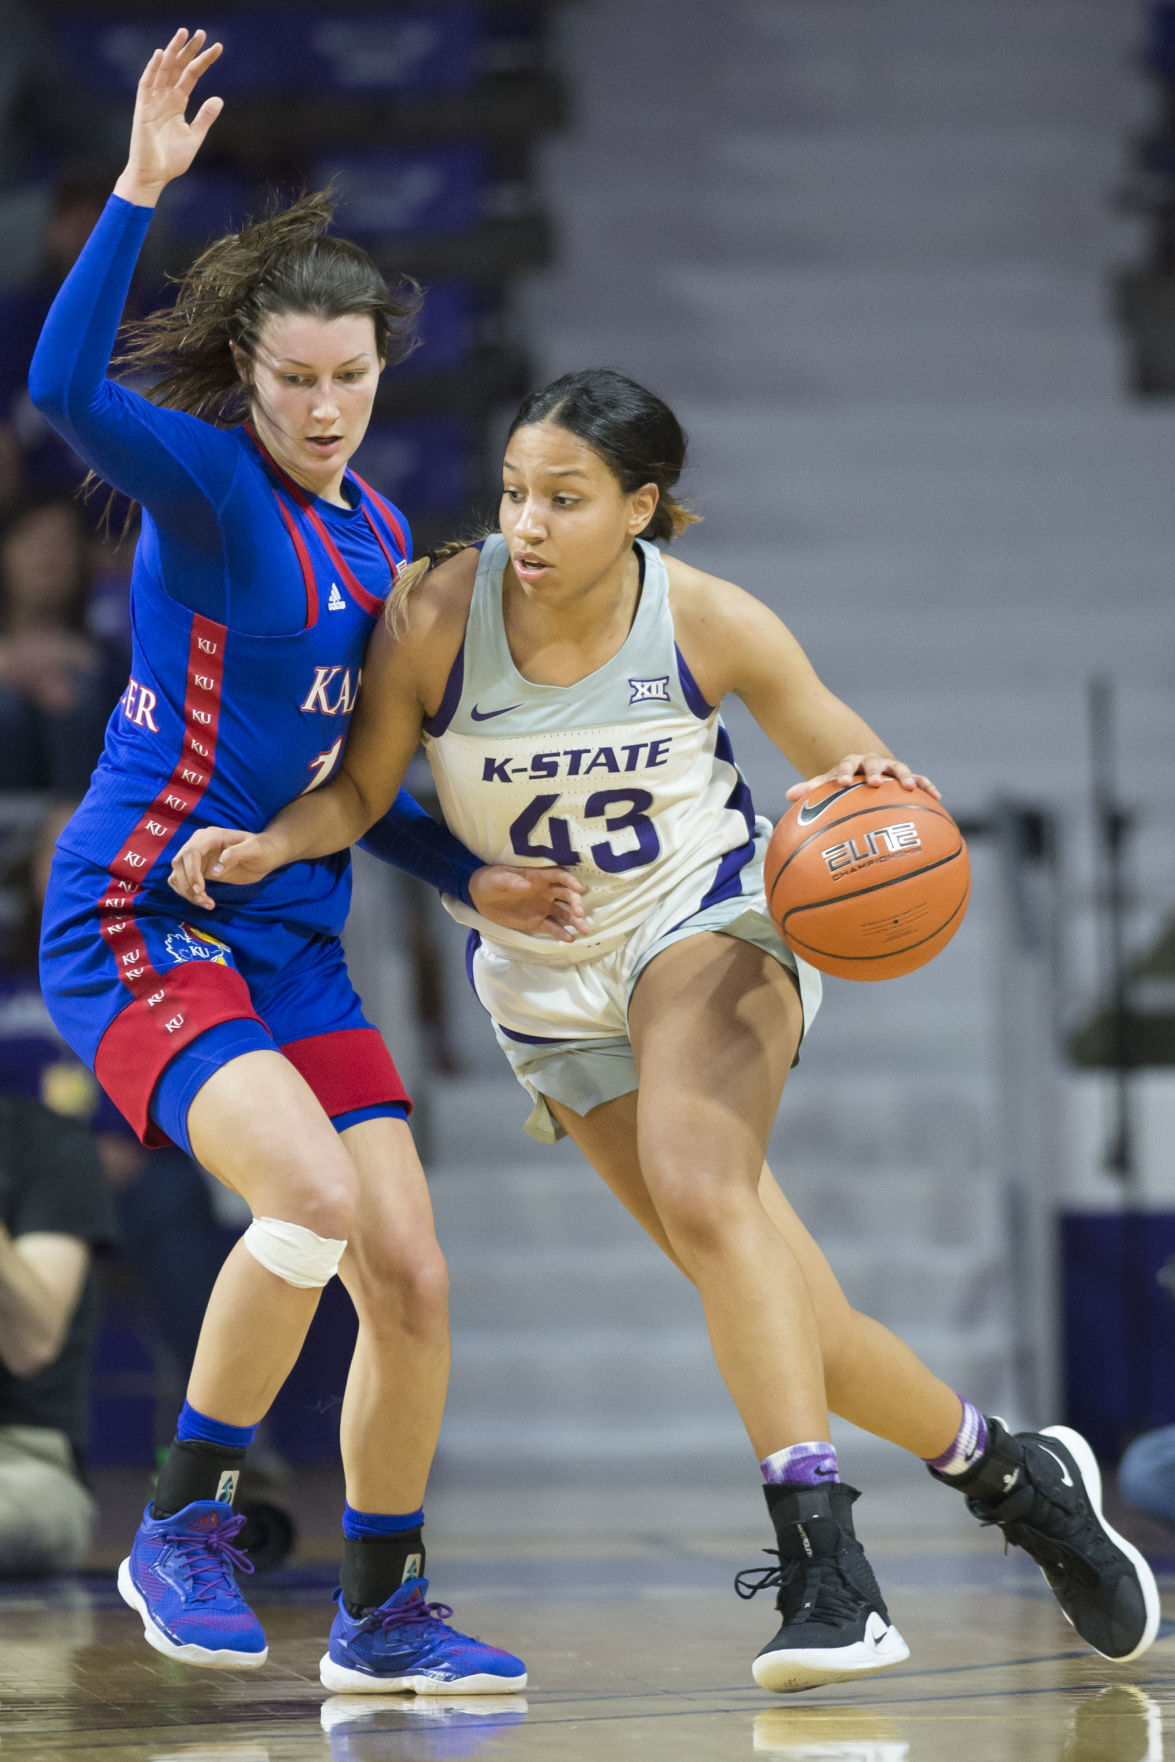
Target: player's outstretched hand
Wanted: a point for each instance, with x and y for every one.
(542, 901)
(873, 767)
(163, 143)
(219, 854)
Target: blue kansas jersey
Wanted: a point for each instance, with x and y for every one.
(252, 602)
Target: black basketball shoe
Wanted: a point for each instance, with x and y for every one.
(835, 1624)
(1045, 1492)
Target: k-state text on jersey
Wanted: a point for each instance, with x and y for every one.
(569, 762)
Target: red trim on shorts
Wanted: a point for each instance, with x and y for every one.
(176, 801)
(348, 1069)
(143, 1038)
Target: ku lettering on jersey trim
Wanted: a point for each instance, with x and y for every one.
(163, 1007)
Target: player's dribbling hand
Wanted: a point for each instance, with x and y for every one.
(219, 854)
(540, 901)
(163, 142)
(872, 767)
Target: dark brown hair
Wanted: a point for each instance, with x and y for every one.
(285, 262)
(634, 432)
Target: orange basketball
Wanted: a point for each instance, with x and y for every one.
(867, 881)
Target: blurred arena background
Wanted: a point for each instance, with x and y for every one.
(907, 272)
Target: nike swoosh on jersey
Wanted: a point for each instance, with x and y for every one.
(488, 715)
(807, 814)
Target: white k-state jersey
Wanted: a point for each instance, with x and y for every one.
(626, 777)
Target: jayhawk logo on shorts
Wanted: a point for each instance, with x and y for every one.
(189, 944)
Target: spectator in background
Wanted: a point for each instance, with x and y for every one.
(1146, 1474)
(57, 681)
(55, 1212)
(46, 118)
(32, 455)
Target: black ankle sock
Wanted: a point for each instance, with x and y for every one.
(374, 1567)
(195, 1470)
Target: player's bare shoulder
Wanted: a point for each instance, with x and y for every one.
(717, 624)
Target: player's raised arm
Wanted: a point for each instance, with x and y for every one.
(163, 142)
(734, 643)
(162, 458)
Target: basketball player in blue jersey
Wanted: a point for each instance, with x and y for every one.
(566, 679)
(263, 566)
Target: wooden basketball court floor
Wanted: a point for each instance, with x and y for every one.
(635, 1641)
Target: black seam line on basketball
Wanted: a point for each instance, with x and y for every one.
(877, 886)
(890, 953)
(821, 831)
(906, 875)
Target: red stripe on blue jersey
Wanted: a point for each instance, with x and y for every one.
(370, 602)
(176, 801)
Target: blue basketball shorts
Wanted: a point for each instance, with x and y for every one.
(154, 1000)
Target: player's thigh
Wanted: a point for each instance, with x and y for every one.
(607, 1137)
(715, 1024)
(259, 1128)
(392, 1257)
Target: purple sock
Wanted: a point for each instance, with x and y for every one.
(969, 1444)
(806, 1465)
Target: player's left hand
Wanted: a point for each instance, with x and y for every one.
(541, 901)
(873, 767)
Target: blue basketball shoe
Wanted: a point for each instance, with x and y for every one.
(407, 1644)
(179, 1576)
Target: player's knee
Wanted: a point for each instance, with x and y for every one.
(405, 1286)
(322, 1200)
(291, 1252)
(698, 1210)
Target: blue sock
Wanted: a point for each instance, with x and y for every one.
(808, 1465)
(192, 1425)
(362, 1526)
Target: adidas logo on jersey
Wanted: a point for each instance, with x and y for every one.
(336, 602)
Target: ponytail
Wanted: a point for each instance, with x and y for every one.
(409, 579)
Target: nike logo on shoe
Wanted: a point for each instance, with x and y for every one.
(488, 715)
(808, 814)
(1066, 1477)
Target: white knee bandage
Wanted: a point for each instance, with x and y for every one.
(292, 1252)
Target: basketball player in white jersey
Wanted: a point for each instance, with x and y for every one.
(565, 678)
